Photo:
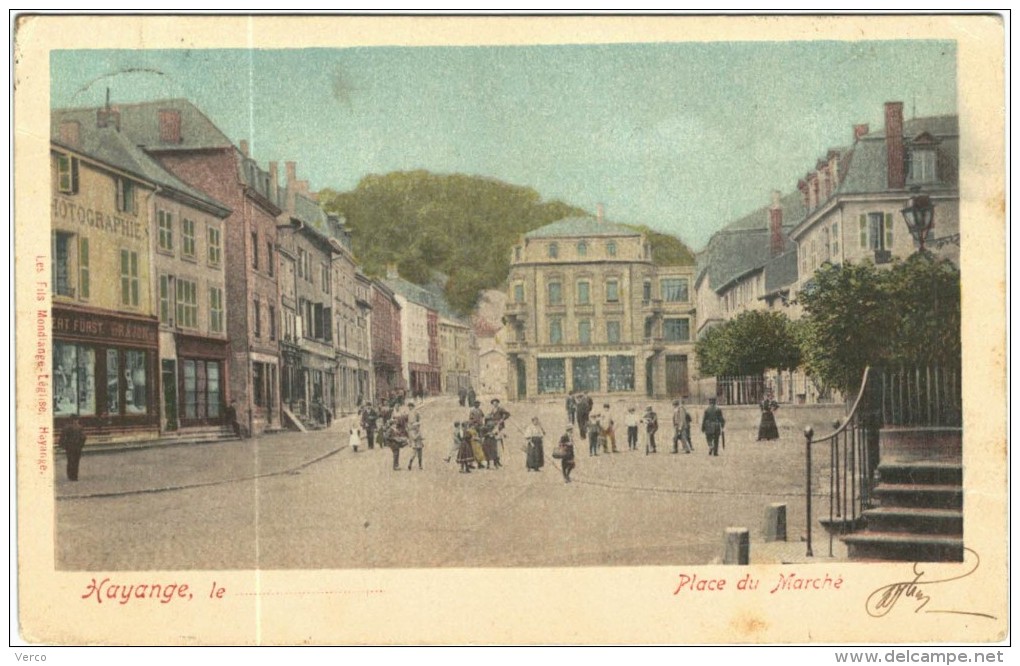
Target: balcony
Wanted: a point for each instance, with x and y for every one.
(656, 342)
(651, 306)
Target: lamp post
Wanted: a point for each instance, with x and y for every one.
(920, 217)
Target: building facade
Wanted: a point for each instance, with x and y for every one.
(588, 310)
(386, 342)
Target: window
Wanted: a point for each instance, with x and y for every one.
(517, 253)
(215, 249)
(126, 196)
(921, 166)
(582, 249)
(583, 292)
(612, 331)
(258, 381)
(270, 258)
(67, 174)
(876, 231)
(611, 248)
(649, 328)
(136, 383)
(554, 250)
(164, 299)
(63, 273)
(834, 252)
(215, 310)
(620, 371)
(676, 330)
(165, 223)
(518, 293)
(326, 278)
(188, 238)
(84, 275)
(257, 314)
(555, 293)
(675, 290)
(128, 278)
(300, 263)
(255, 250)
(187, 304)
(272, 322)
(587, 376)
(584, 332)
(612, 291)
(646, 291)
(552, 375)
(74, 379)
(555, 331)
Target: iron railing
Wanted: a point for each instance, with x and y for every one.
(922, 396)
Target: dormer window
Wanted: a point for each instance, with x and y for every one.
(582, 249)
(554, 250)
(922, 159)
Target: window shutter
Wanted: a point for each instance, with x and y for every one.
(864, 231)
(888, 231)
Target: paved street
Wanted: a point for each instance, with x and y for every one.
(307, 501)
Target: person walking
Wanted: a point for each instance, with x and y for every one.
(471, 396)
(536, 453)
(593, 435)
(566, 452)
(368, 423)
(72, 440)
(583, 412)
(462, 396)
(767, 428)
(633, 421)
(465, 454)
(651, 420)
(416, 439)
(571, 408)
(354, 441)
(608, 430)
(712, 424)
(681, 427)
(396, 438)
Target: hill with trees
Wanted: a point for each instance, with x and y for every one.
(459, 226)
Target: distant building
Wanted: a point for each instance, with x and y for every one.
(386, 341)
(588, 310)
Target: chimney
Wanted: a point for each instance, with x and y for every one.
(776, 226)
(600, 213)
(291, 172)
(860, 131)
(70, 133)
(108, 115)
(895, 157)
(291, 182)
(274, 183)
(244, 147)
(834, 169)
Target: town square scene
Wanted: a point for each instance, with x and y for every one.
(536, 306)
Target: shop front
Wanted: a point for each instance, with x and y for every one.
(202, 370)
(105, 371)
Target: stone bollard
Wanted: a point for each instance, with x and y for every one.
(738, 546)
(775, 522)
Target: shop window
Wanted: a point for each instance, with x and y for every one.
(187, 304)
(74, 379)
(215, 310)
(188, 238)
(676, 330)
(620, 371)
(675, 290)
(129, 278)
(200, 382)
(215, 249)
(67, 174)
(552, 375)
(112, 381)
(586, 374)
(136, 382)
(612, 332)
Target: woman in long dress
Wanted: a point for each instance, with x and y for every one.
(536, 453)
(767, 429)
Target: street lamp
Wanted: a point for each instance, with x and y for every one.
(920, 217)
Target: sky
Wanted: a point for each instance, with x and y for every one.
(682, 137)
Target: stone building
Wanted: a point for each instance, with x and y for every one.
(386, 342)
(589, 310)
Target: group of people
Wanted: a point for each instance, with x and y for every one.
(466, 396)
(395, 425)
(477, 442)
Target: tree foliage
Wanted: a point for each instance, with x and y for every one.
(749, 344)
(461, 226)
(857, 315)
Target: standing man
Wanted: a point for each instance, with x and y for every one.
(651, 427)
(594, 434)
(571, 408)
(461, 395)
(633, 421)
(415, 437)
(368, 419)
(498, 417)
(72, 440)
(681, 427)
(471, 396)
(583, 411)
(396, 438)
(608, 430)
(712, 424)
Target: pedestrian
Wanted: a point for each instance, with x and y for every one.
(416, 439)
(536, 452)
(767, 428)
(355, 439)
(651, 420)
(465, 454)
(681, 427)
(608, 430)
(461, 395)
(72, 440)
(471, 396)
(565, 451)
(571, 408)
(498, 415)
(396, 438)
(712, 424)
(633, 421)
(230, 414)
(583, 412)
(593, 435)
(368, 423)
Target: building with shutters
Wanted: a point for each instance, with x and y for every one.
(589, 310)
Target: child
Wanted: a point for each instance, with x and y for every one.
(355, 440)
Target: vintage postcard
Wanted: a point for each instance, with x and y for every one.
(510, 330)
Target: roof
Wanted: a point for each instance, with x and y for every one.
(430, 297)
(141, 123)
(781, 272)
(113, 148)
(580, 227)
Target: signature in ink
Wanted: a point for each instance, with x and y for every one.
(918, 590)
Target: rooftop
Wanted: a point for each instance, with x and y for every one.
(580, 227)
